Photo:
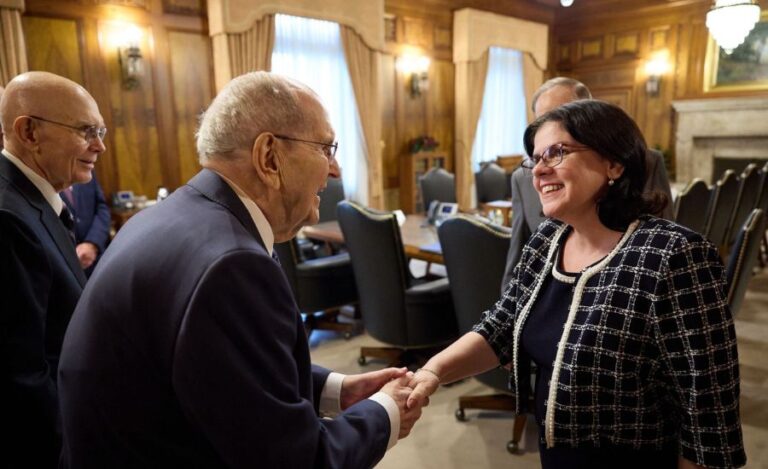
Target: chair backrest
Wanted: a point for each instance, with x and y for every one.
(749, 184)
(762, 197)
(475, 254)
(743, 257)
(691, 205)
(329, 198)
(721, 207)
(379, 264)
(491, 183)
(437, 184)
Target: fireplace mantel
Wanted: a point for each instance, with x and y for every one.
(718, 127)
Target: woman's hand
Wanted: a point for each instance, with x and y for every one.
(424, 383)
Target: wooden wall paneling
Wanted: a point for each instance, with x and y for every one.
(135, 132)
(54, 45)
(164, 93)
(391, 151)
(440, 107)
(190, 64)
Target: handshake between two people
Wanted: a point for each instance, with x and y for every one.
(409, 390)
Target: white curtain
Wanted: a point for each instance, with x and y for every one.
(503, 117)
(311, 52)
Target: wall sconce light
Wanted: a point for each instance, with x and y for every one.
(415, 67)
(129, 55)
(655, 68)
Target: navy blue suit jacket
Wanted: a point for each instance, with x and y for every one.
(91, 214)
(188, 350)
(40, 282)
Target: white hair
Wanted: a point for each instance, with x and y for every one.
(249, 105)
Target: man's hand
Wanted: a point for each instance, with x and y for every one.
(399, 391)
(86, 253)
(424, 383)
(355, 388)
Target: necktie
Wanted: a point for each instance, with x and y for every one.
(274, 256)
(66, 219)
(69, 195)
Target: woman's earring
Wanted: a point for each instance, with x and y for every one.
(610, 182)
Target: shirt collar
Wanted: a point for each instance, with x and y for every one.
(45, 187)
(262, 225)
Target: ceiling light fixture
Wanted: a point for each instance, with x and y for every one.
(566, 3)
(730, 21)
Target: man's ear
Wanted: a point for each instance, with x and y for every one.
(265, 160)
(26, 130)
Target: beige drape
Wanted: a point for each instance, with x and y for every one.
(13, 49)
(470, 86)
(239, 53)
(364, 65)
(533, 77)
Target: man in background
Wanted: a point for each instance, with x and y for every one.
(526, 206)
(187, 348)
(91, 214)
(53, 133)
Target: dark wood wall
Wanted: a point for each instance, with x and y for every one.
(150, 141)
(607, 43)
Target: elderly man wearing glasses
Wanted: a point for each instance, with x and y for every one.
(53, 134)
(187, 348)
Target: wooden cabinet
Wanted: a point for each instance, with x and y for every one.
(412, 167)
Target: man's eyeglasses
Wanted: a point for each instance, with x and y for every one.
(90, 132)
(329, 149)
(552, 155)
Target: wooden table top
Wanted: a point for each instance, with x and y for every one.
(419, 240)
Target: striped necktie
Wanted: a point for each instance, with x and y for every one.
(66, 219)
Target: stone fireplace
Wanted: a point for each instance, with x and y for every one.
(727, 128)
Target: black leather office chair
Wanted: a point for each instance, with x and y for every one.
(491, 183)
(691, 205)
(397, 309)
(743, 258)
(320, 286)
(437, 184)
(475, 255)
(721, 208)
(329, 198)
(746, 200)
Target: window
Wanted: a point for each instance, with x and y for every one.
(311, 51)
(503, 116)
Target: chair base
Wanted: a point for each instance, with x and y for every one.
(329, 320)
(392, 355)
(501, 402)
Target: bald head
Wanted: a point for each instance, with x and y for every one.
(45, 118)
(556, 92)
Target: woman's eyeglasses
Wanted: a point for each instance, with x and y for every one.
(552, 155)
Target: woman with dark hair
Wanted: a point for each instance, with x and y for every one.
(624, 314)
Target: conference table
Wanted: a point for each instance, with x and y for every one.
(419, 239)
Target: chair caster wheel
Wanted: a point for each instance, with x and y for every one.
(361, 361)
(512, 447)
(460, 416)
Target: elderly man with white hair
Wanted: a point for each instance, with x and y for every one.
(187, 348)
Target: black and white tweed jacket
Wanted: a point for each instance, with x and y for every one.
(648, 352)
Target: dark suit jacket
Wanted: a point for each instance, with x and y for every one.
(40, 282)
(91, 214)
(188, 350)
(526, 206)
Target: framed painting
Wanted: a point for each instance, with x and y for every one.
(746, 68)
